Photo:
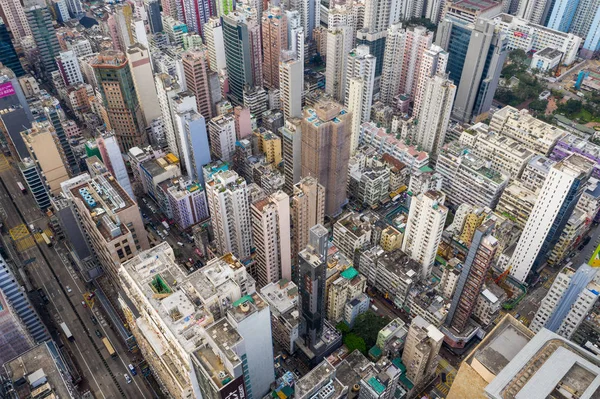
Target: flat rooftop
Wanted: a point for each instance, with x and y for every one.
(282, 296)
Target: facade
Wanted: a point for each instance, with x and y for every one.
(68, 65)
(326, 140)
(291, 78)
(571, 144)
(138, 57)
(271, 237)
(360, 80)
(213, 35)
(44, 35)
(291, 147)
(421, 350)
(517, 202)
(550, 214)
(36, 185)
(8, 52)
(282, 297)
(111, 156)
(187, 200)
(350, 233)
(222, 137)
(15, 18)
(196, 69)
(230, 212)
(339, 45)
(423, 233)
(348, 287)
(116, 84)
(194, 142)
(274, 40)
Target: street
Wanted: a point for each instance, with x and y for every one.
(102, 375)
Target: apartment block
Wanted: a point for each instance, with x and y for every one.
(350, 233)
(516, 203)
(282, 297)
(188, 203)
(349, 286)
(222, 137)
(421, 350)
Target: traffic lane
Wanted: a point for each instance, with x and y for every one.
(118, 366)
(585, 254)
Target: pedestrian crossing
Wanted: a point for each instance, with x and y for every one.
(4, 163)
(21, 238)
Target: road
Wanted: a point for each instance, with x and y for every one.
(103, 375)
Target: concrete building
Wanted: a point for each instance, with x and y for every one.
(391, 239)
(282, 297)
(43, 146)
(193, 138)
(15, 339)
(34, 182)
(68, 66)
(291, 148)
(291, 79)
(326, 137)
(421, 351)
(350, 233)
(116, 84)
(222, 137)
(271, 237)
(213, 35)
(424, 228)
(536, 171)
(534, 11)
(113, 160)
(196, 70)
(110, 218)
(540, 137)
(475, 269)
(187, 200)
(571, 144)
(15, 18)
(274, 40)
(550, 214)
(368, 180)
(138, 57)
(570, 237)
(349, 286)
(157, 169)
(489, 303)
(339, 45)
(39, 20)
(434, 117)
(467, 178)
(517, 202)
(230, 212)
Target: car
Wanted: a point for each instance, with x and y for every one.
(132, 369)
(83, 304)
(98, 334)
(127, 378)
(94, 320)
(69, 290)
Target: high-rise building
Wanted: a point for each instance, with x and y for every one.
(195, 69)
(166, 89)
(113, 160)
(34, 182)
(326, 150)
(586, 24)
(312, 268)
(434, 115)
(476, 55)
(433, 62)
(379, 14)
(60, 10)
(474, 271)
(291, 85)
(307, 209)
(241, 34)
(75, 8)
(68, 66)
(194, 13)
(274, 40)
(123, 17)
(271, 237)
(8, 54)
(222, 137)
(360, 80)
(213, 35)
(13, 15)
(534, 11)
(376, 43)
(230, 212)
(421, 350)
(557, 199)
(339, 45)
(116, 84)
(48, 154)
(44, 35)
(138, 58)
(154, 17)
(187, 201)
(193, 137)
(14, 338)
(291, 147)
(562, 15)
(423, 234)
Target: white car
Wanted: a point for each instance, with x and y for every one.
(69, 290)
(127, 378)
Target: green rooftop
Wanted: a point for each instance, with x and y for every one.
(349, 273)
(425, 169)
(398, 363)
(245, 298)
(376, 385)
(160, 286)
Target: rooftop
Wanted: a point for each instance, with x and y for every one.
(282, 295)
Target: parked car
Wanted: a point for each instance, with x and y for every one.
(127, 378)
(132, 369)
(98, 334)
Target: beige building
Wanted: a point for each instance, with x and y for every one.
(326, 138)
(269, 144)
(307, 209)
(274, 40)
(350, 233)
(196, 69)
(344, 289)
(45, 149)
(138, 57)
(110, 218)
(391, 239)
(516, 203)
(421, 351)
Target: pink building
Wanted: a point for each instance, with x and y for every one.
(243, 122)
(71, 129)
(195, 69)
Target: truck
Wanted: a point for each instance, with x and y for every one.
(21, 187)
(165, 224)
(67, 332)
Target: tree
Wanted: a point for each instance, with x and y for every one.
(367, 326)
(572, 106)
(539, 106)
(343, 327)
(353, 341)
(518, 56)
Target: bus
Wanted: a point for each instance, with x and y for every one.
(109, 347)
(46, 239)
(21, 187)
(67, 332)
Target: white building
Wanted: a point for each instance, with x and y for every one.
(230, 212)
(167, 88)
(271, 233)
(433, 62)
(213, 34)
(434, 115)
(222, 137)
(68, 65)
(187, 201)
(351, 232)
(138, 57)
(339, 45)
(291, 83)
(424, 229)
(557, 199)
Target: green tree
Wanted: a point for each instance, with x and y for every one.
(353, 341)
(367, 326)
(539, 106)
(518, 56)
(572, 106)
(343, 327)
(557, 94)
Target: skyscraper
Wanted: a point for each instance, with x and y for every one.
(138, 57)
(291, 84)
(426, 218)
(68, 66)
(75, 8)
(8, 55)
(475, 269)
(274, 40)
(312, 268)
(271, 238)
(241, 34)
(154, 17)
(562, 14)
(360, 78)
(193, 138)
(52, 112)
(339, 44)
(194, 13)
(433, 62)
(222, 137)
(14, 17)
(115, 83)
(195, 70)
(213, 36)
(557, 199)
(123, 17)
(229, 207)
(533, 10)
(44, 35)
(113, 160)
(434, 115)
(326, 138)
(476, 55)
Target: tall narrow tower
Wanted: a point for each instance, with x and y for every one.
(274, 39)
(195, 69)
(44, 35)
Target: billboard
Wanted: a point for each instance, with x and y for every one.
(235, 389)
(595, 259)
(6, 89)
